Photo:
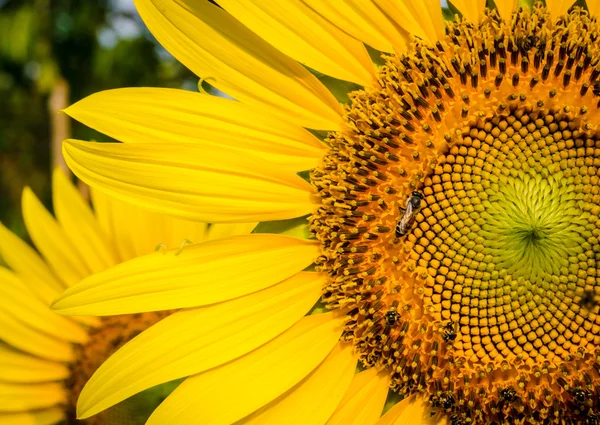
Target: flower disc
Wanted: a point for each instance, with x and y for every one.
(488, 304)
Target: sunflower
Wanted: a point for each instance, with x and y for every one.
(453, 204)
(45, 358)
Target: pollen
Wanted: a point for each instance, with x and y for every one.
(487, 306)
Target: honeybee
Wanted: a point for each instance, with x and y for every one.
(445, 400)
(413, 206)
(449, 332)
(580, 396)
(507, 394)
(391, 317)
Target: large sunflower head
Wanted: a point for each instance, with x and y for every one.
(454, 201)
(488, 305)
(45, 359)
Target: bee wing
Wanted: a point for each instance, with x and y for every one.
(406, 220)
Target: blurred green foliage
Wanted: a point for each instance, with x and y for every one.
(93, 45)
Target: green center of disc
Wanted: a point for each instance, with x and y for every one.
(534, 226)
(509, 238)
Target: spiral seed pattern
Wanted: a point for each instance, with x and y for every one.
(488, 306)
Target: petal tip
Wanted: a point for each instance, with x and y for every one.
(86, 406)
(82, 413)
(55, 305)
(27, 191)
(61, 305)
(27, 198)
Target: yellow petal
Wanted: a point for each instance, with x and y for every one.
(33, 312)
(113, 218)
(558, 7)
(90, 321)
(175, 232)
(215, 46)
(137, 115)
(413, 411)
(506, 8)
(225, 230)
(252, 380)
(18, 367)
(161, 229)
(200, 274)
(421, 18)
(102, 211)
(137, 231)
(80, 225)
(29, 266)
(133, 230)
(364, 400)
(22, 397)
(192, 341)
(363, 20)
(302, 34)
(312, 401)
(50, 416)
(204, 183)
(593, 7)
(471, 10)
(52, 241)
(19, 335)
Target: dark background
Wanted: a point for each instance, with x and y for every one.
(53, 53)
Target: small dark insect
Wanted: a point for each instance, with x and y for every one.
(530, 42)
(588, 300)
(449, 333)
(507, 394)
(445, 400)
(391, 317)
(580, 396)
(413, 206)
(455, 420)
